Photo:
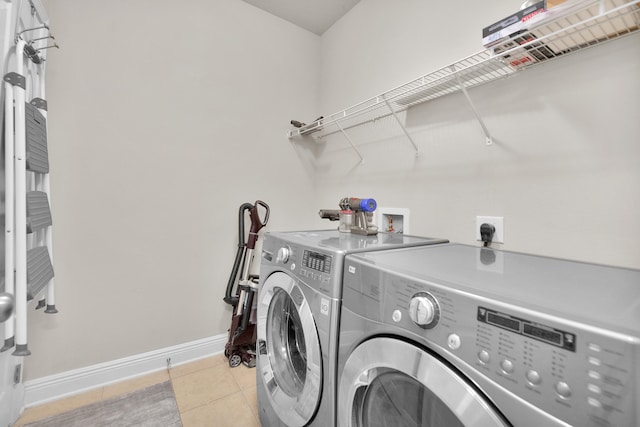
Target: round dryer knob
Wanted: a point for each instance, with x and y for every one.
(283, 254)
(424, 310)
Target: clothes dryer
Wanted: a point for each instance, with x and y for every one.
(454, 335)
(298, 312)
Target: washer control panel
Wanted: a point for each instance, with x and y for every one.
(317, 261)
(318, 269)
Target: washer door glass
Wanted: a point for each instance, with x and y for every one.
(286, 348)
(289, 357)
(389, 382)
(395, 399)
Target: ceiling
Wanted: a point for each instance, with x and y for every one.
(313, 15)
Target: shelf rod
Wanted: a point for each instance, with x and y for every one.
(350, 142)
(395, 116)
(488, 139)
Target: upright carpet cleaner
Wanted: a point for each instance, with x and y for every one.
(241, 346)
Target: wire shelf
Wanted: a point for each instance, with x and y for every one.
(559, 31)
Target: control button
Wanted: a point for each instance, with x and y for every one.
(595, 375)
(484, 356)
(594, 402)
(594, 361)
(283, 255)
(594, 388)
(421, 310)
(507, 366)
(563, 389)
(453, 341)
(396, 316)
(424, 310)
(594, 347)
(534, 377)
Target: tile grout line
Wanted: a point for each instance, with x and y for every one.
(175, 397)
(246, 399)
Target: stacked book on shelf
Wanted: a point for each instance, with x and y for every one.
(547, 29)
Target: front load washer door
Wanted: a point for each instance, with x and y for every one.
(390, 383)
(288, 350)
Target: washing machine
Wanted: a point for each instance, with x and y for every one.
(298, 308)
(454, 335)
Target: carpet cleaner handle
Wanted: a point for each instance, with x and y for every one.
(257, 222)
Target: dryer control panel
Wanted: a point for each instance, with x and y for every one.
(572, 372)
(566, 367)
(543, 333)
(575, 374)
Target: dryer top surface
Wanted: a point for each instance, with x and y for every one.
(346, 243)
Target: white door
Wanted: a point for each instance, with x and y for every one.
(289, 358)
(16, 16)
(10, 407)
(387, 382)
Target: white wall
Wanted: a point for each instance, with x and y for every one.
(563, 171)
(163, 120)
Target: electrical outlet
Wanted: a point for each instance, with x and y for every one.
(497, 222)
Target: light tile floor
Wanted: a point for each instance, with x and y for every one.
(208, 393)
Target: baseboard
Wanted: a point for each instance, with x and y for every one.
(68, 383)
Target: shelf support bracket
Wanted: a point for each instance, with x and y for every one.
(350, 142)
(488, 139)
(395, 116)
